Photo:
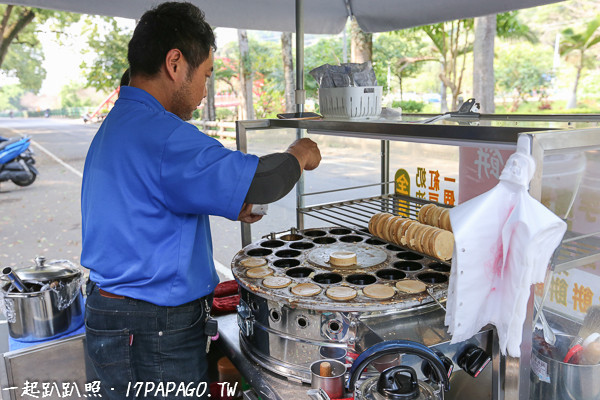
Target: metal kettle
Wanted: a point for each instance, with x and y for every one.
(399, 382)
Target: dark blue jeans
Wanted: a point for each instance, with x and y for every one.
(141, 350)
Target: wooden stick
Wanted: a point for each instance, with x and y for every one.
(325, 369)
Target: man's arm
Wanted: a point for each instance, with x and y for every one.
(277, 173)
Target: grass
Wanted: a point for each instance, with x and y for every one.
(584, 106)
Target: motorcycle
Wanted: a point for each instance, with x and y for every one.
(16, 161)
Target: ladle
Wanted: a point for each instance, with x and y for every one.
(14, 278)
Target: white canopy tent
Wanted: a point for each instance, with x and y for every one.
(320, 16)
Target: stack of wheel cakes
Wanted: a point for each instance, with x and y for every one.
(431, 234)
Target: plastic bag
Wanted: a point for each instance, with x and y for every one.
(344, 75)
(504, 240)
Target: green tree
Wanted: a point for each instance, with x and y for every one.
(402, 52)
(71, 96)
(574, 45)
(523, 70)
(226, 72)
(452, 41)
(505, 25)
(325, 51)
(21, 55)
(104, 73)
(510, 26)
(25, 63)
(269, 88)
(10, 96)
(361, 44)
(264, 63)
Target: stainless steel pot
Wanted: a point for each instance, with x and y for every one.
(551, 378)
(50, 303)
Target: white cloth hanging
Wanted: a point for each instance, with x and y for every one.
(504, 239)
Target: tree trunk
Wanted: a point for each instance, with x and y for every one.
(572, 103)
(483, 63)
(401, 89)
(246, 110)
(210, 112)
(361, 47)
(9, 33)
(443, 99)
(288, 71)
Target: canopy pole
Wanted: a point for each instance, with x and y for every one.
(300, 93)
(300, 97)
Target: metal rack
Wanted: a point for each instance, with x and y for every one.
(357, 212)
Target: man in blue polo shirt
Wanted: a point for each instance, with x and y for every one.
(150, 183)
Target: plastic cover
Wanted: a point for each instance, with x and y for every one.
(504, 240)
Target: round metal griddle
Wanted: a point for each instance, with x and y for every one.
(303, 256)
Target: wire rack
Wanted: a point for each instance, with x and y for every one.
(355, 214)
(575, 250)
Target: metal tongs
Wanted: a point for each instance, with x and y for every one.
(430, 293)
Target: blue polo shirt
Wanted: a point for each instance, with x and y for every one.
(150, 182)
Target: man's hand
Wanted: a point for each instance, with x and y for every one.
(247, 216)
(307, 152)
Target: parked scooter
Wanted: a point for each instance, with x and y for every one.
(16, 161)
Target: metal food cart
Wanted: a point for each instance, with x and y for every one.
(554, 142)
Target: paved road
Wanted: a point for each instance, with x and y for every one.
(44, 218)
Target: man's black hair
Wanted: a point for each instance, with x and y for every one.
(171, 25)
(125, 78)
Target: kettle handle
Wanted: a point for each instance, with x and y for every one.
(393, 347)
(39, 262)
